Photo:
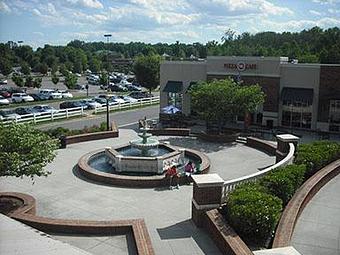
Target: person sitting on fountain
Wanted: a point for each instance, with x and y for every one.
(189, 169)
(173, 175)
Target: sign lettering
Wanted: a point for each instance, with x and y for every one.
(241, 66)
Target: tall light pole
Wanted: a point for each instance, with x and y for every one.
(108, 83)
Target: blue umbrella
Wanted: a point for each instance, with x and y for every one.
(170, 109)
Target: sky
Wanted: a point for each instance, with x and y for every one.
(56, 22)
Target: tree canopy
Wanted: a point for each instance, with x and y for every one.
(25, 151)
(314, 45)
(221, 101)
(146, 69)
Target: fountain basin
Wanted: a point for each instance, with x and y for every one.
(124, 159)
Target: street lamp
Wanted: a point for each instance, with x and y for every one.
(107, 97)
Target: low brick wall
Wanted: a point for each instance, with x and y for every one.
(298, 202)
(135, 181)
(91, 136)
(225, 238)
(262, 145)
(170, 131)
(136, 227)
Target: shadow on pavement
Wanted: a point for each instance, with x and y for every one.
(187, 229)
(196, 144)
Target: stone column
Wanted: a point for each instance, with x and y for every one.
(283, 145)
(207, 194)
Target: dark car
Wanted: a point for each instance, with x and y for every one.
(24, 111)
(72, 104)
(132, 87)
(9, 114)
(140, 94)
(44, 109)
(36, 97)
(117, 88)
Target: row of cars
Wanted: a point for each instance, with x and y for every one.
(26, 112)
(101, 100)
(12, 95)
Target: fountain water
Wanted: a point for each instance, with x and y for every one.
(146, 143)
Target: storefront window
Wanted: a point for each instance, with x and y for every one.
(175, 99)
(296, 119)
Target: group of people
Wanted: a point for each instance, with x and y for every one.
(174, 174)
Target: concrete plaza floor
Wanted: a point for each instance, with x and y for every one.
(318, 228)
(65, 194)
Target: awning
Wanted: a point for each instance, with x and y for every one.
(173, 87)
(297, 94)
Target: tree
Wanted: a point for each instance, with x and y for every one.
(103, 79)
(29, 81)
(94, 64)
(25, 151)
(146, 69)
(70, 81)
(25, 68)
(37, 82)
(41, 68)
(221, 101)
(5, 66)
(18, 80)
(63, 70)
(55, 79)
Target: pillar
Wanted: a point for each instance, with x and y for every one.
(207, 194)
(283, 145)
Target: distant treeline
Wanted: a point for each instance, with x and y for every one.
(315, 45)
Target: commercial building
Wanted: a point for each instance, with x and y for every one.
(305, 96)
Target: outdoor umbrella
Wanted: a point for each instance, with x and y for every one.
(170, 109)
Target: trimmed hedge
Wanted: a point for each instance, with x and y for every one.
(317, 155)
(253, 212)
(283, 182)
(60, 131)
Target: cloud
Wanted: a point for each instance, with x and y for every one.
(4, 7)
(334, 11)
(313, 12)
(326, 1)
(96, 4)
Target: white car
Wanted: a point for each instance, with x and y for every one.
(128, 99)
(3, 101)
(65, 94)
(78, 74)
(21, 97)
(91, 103)
(50, 94)
(124, 83)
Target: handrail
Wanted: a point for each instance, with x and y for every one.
(229, 186)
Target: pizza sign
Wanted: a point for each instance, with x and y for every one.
(240, 66)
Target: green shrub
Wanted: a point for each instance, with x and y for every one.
(317, 155)
(58, 132)
(252, 212)
(283, 182)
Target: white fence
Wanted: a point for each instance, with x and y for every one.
(128, 105)
(40, 117)
(232, 184)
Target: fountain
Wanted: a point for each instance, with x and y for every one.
(144, 155)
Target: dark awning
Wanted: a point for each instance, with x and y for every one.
(173, 87)
(297, 94)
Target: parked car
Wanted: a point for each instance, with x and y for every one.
(65, 94)
(128, 99)
(117, 88)
(3, 101)
(21, 97)
(91, 103)
(5, 93)
(102, 100)
(44, 109)
(50, 94)
(25, 110)
(36, 97)
(140, 94)
(80, 87)
(3, 82)
(9, 114)
(103, 87)
(132, 87)
(72, 104)
(78, 74)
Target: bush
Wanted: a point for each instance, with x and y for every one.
(253, 212)
(317, 155)
(283, 182)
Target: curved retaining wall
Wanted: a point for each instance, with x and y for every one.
(298, 202)
(134, 181)
(26, 214)
(262, 145)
